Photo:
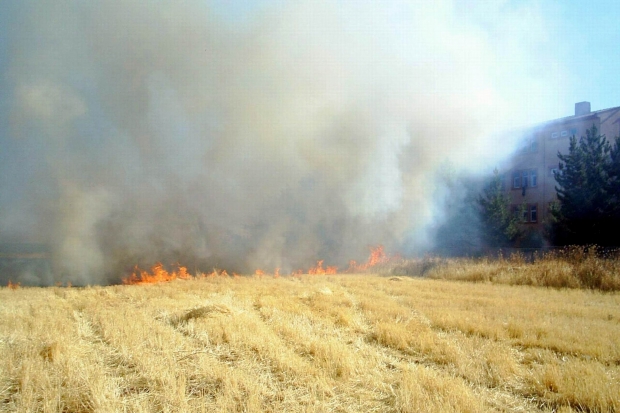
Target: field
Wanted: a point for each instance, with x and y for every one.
(326, 343)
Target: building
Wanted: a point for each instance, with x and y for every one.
(529, 175)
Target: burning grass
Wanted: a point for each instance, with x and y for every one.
(309, 343)
(159, 273)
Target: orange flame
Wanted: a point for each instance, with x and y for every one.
(319, 270)
(377, 256)
(158, 274)
(13, 286)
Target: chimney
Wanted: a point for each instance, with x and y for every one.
(582, 108)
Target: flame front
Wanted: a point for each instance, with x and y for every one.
(319, 270)
(159, 274)
(13, 286)
(377, 256)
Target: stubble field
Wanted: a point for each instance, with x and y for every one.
(340, 343)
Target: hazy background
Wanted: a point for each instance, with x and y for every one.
(262, 134)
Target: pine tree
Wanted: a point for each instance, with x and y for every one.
(499, 224)
(459, 233)
(613, 211)
(587, 190)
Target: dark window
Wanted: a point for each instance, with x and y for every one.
(524, 178)
(525, 212)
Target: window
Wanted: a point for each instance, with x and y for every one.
(564, 133)
(516, 211)
(524, 178)
(526, 213)
(516, 179)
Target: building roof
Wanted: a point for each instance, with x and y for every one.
(574, 118)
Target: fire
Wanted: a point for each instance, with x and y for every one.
(182, 273)
(159, 274)
(377, 256)
(319, 270)
(13, 286)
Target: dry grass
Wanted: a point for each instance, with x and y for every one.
(573, 267)
(343, 343)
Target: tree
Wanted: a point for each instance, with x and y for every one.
(588, 208)
(614, 185)
(500, 225)
(458, 233)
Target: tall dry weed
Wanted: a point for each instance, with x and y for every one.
(571, 267)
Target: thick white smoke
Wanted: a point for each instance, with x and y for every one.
(143, 132)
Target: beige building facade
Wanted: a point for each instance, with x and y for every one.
(529, 176)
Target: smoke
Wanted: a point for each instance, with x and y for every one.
(311, 129)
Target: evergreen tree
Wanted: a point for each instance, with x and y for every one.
(588, 188)
(499, 224)
(459, 232)
(614, 187)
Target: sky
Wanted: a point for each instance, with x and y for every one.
(588, 32)
(269, 134)
(580, 37)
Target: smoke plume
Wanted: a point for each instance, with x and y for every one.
(164, 131)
